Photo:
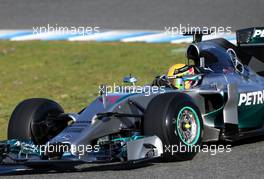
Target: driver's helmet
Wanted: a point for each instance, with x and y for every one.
(177, 72)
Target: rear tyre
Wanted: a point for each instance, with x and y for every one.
(35, 119)
(176, 120)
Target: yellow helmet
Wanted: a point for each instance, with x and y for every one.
(175, 74)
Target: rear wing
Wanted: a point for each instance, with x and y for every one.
(250, 37)
(251, 42)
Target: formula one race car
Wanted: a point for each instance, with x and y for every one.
(222, 99)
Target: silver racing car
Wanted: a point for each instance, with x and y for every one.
(218, 95)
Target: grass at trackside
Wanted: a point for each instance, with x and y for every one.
(70, 72)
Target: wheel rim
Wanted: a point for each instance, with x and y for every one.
(188, 126)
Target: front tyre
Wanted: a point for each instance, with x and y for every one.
(176, 120)
(36, 119)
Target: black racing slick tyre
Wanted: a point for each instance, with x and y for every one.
(176, 120)
(35, 119)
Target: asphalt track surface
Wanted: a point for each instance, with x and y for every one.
(131, 14)
(246, 160)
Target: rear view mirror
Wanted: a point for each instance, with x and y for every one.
(130, 79)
